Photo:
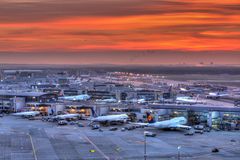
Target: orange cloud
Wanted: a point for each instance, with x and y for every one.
(205, 25)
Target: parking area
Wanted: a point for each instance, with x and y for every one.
(23, 139)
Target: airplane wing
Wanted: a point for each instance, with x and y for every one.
(181, 126)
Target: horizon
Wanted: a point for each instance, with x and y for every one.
(148, 58)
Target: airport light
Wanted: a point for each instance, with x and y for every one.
(179, 147)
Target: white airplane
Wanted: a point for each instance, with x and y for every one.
(110, 100)
(183, 89)
(216, 95)
(174, 123)
(111, 118)
(142, 100)
(188, 100)
(82, 97)
(67, 116)
(139, 101)
(27, 114)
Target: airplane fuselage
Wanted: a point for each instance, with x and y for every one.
(67, 116)
(111, 118)
(76, 98)
(169, 123)
(27, 114)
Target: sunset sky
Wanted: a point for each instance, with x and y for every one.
(120, 31)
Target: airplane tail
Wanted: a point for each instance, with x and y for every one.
(150, 118)
(197, 98)
(93, 112)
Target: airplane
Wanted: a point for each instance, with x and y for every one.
(122, 118)
(66, 116)
(27, 114)
(216, 95)
(82, 97)
(174, 123)
(110, 100)
(183, 89)
(187, 100)
(139, 101)
(191, 90)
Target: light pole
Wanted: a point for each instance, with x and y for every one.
(179, 147)
(145, 146)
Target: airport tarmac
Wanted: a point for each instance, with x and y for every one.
(23, 139)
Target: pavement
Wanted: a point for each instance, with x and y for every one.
(23, 139)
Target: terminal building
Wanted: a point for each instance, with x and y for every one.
(19, 101)
(212, 116)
